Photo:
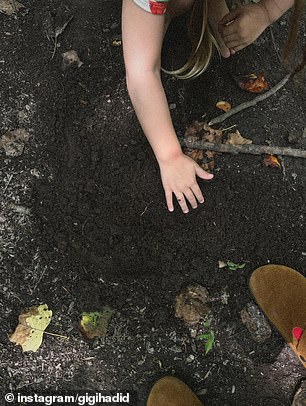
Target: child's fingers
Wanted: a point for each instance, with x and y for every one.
(227, 30)
(197, 192)
(237, 45)
(203, 174)
(169, 200)
(231, 38)
(182, 202)
(233, 44)
(228, 18)
(239, 48)
(190, 196)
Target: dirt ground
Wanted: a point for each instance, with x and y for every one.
(84, 223)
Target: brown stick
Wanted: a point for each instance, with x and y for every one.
(251, 103)
(245, 149)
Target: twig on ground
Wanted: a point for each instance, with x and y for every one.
(282, 161)
(39, 279)
(55, 335)
(46, 332)
(228, 128)
(245, 149)
(58, 32)
(146, 208)
(251, 103)
(8, 182)
(285, 177)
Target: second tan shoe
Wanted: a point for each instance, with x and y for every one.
(281, 293)
(171, 391)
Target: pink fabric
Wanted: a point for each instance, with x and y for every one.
(298, 332)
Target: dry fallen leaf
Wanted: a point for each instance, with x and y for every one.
(253, 83)
(95, 324)
(13, 141)
(271, 160)
(199, 131)
(237, 139)
(190, 304)
(10, 7)
(197, 155)
(223, 105)
(31, 327)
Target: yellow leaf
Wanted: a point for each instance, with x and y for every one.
(31, 327)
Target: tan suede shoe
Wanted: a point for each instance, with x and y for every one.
(281, 293)
(170, 391)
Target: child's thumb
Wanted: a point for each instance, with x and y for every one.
(203, 174)
(228, 18)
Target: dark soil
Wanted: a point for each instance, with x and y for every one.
(95, 229)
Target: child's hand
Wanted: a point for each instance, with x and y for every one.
(179, 177)
(242, 26)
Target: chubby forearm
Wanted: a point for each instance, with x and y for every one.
(276, 8)
(150, 104)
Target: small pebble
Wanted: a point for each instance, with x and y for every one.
(150, 349)
(202, 392)
(190, 358)
(256, 323)
(176, 348)
(71, 58)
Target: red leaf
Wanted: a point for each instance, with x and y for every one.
(271, 160)
(254, 83)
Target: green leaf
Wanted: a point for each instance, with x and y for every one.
(233, 267)
(95, 324)
(202, 336)
(210, 342)
(209, 339)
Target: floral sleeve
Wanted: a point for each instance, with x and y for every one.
(153, 6)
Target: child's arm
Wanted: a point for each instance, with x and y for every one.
(242, 26)
(142, 41)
